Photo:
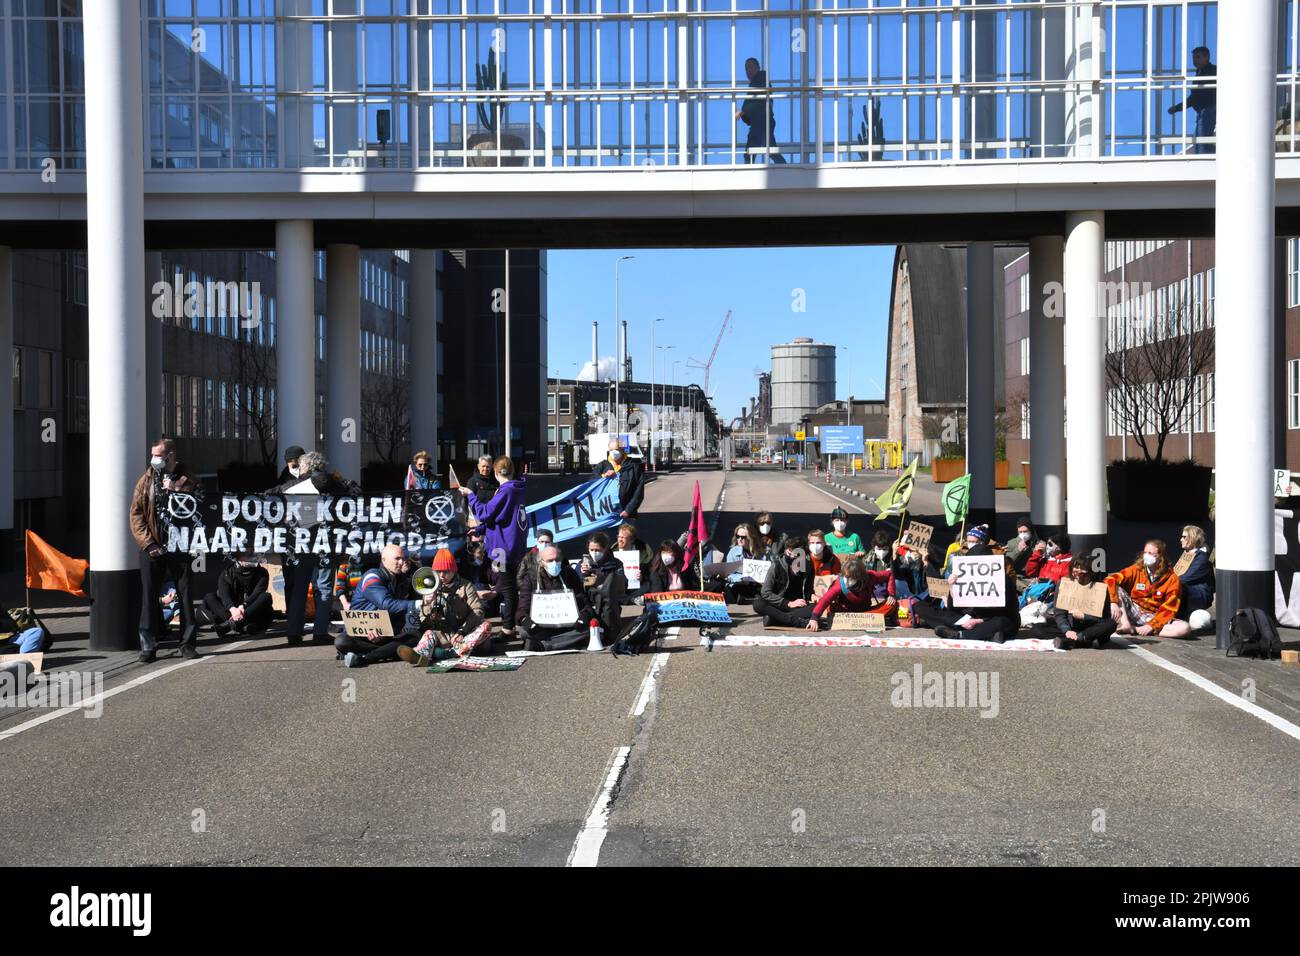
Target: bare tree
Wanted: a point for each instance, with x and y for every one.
(1154, 380)
(385, 414)
(249, 369)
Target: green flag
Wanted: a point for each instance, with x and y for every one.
(956, 499)
(894, 501)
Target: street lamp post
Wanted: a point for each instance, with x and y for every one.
(620, 341)
(509, 443)
(663, 390)
(653, 458)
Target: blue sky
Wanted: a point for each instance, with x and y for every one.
(846, 292)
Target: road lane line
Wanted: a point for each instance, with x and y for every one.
(843, 501)
(91, 702)
(586, 848)
(1227, 696)
(650, 684)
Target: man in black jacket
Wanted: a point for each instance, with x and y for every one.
(553, 575)
(481, 482)
(785, 597)
(631, 478)
(757, 114)
(1203, 98)
(289, 473)
(241, 602)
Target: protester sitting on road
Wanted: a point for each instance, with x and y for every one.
(599, 561)
(242, 600)
(909, 573)
(1022, 546)
(503, 517)
(1068, 631)
(486, 579)
(841, 542)
(631, 478)
(385, 588)
(419, 475)
(823, 560)
(21, 632)
(786, 593)
(993, 623)
(745, 545)
(628, 540)
(855, 591)
(669, 571)
(481, 482)
(1146, 595)
(551, 575)
(880, 557)
(1050, 559)
(768, 542)
(528, 563)
(1197, 581)
(451, 617)
(974, 537)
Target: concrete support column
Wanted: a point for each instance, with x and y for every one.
(1046, 385)
(1245, 347)
(118, 445)
(343, 359)
(153, 370)
(980, 437)
(422, 375)
(6, 400)
(1085, 379)
(295, 337)
(1084, 36)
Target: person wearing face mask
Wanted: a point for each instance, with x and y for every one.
(843, 544)
(856, 591)
(786, 595)
(1068, 631)
(1020, 548)
(909, 573)
(974, 537)
(822, 560)
(242, 601)
(290, 470)
(157, 565)
(599, 561)
(880, 557)
(744, 545)
(605, 580)
(505, 525)
(528, 563)
(996, 623)
(631, 478)
(1050, 559)
(1146, 595)
(553, 574)
(669, 572)
(767, 545)
(451, 622)
(478, 571)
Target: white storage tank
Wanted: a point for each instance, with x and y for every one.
(803, 379)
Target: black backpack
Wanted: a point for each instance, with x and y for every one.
(640, 635)
(1253, 634)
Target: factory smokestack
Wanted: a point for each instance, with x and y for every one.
(595, 349)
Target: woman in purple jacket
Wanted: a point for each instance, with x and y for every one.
(506, 533)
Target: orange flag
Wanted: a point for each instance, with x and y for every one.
(49, 569)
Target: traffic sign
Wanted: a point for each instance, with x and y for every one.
(841, 440)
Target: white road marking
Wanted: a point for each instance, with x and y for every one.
(586, 848)
(94, 701)
(650, 685)
(843, 501)
(1227, 696)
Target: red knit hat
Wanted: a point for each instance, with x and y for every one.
(443, 561)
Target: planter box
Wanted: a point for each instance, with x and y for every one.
(944, 470)
(1001, 474)
(1159, 491)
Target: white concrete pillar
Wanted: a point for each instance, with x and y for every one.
(295, 337)
(347, 122)
(1084, 57)
(6, 390)
(1244, 347)
(422, 375)
(1085, 379)
(118, 451)
(153, 274)
(1046, 384)
(343, 359)
(980, 436)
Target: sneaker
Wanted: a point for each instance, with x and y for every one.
(222, 629)
(353, 660)
(294, 638)
(1062, 643)
(408, 654)
(190, 652)
(999, 638)
(946, 632)
(767, 620)
(532, 645)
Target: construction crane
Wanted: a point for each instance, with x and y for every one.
(707, 366)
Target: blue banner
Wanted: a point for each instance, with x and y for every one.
(687, 609)
(591, 506)
(841, 439)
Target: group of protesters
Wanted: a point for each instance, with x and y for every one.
(794, 579)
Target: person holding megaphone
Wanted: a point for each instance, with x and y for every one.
(452, 623)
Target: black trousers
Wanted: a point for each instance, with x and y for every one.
(927, 615)
(154, 573)
(371, 652)
(297, 578)
(257, 612)
(560, 638)
(1102, 630)
(509, 596)
(783, 614)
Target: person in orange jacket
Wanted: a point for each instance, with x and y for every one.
(1145, 596)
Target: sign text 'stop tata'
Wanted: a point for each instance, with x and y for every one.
(296, 525)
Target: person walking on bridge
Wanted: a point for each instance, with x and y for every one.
(1203, 98)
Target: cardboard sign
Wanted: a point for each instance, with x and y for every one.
(631, 568)
(554, 609)
(1184, 563)
(35, 660)
(846, 621)
(821, 584)
(367, 625)
(979, 581)
(937, 587)
(659, 596)
(756, 570)
(917, 536)
(1080, 600)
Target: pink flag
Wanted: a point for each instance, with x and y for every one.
(698, 530)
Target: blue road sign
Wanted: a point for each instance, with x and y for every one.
(841, 440)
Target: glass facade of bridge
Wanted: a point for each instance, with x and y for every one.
(433, 84)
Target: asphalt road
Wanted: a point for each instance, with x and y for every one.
(265, 754)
